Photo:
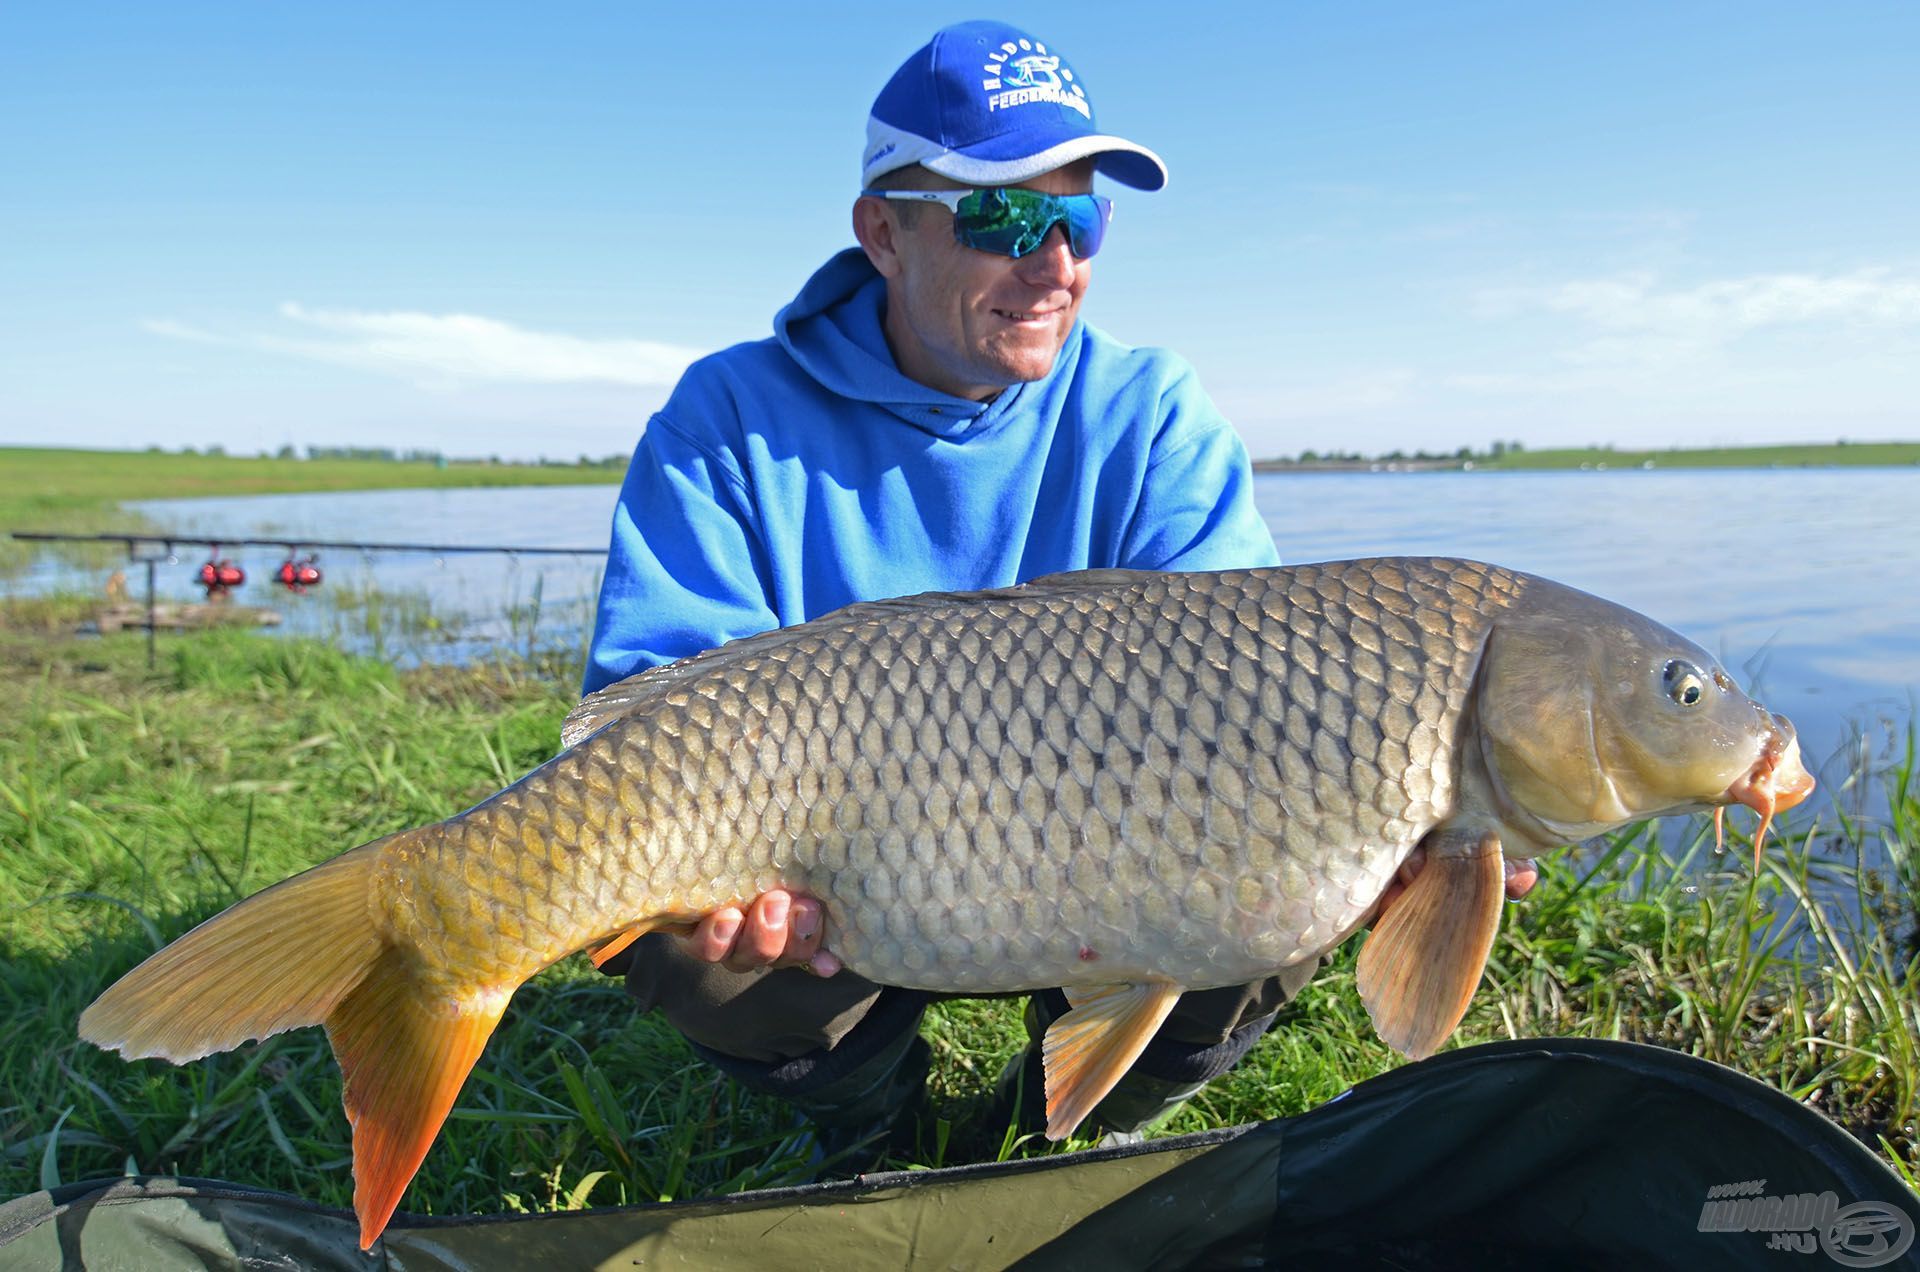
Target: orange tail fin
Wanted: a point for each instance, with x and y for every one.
(404, 1054)
(283, 958)
(307, 952)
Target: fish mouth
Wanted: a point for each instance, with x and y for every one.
(1778, 780)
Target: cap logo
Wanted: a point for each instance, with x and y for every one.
(1035, 70)
(1024, 72)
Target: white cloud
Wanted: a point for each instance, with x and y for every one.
(1356, 393)
(452, 348)
(1720, 310)
(1756, 335)
(179, 330)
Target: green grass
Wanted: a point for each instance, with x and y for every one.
(132, 804)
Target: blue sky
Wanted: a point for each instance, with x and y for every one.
(503, 229)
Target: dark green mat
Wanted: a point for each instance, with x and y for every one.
(1538, 1154)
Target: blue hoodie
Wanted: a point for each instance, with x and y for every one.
(789, 477)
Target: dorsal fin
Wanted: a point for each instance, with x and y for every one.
(626, 697)
(1073, 580)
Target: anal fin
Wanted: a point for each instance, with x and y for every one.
(599, 954)
(1419, 968)
(404, 1054)
(665, 921)
(1090, 1048)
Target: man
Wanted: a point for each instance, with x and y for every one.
(931, 414)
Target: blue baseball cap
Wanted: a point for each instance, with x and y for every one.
(986, 104)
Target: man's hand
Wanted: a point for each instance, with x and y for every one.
(779, 929)
(1521, 876)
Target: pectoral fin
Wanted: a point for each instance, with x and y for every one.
(1419, 968)
(1087, 1050)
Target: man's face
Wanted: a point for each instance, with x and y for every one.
(968, 322)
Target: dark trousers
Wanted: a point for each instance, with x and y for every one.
(788, 1031)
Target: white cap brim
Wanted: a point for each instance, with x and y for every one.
(1122, 160)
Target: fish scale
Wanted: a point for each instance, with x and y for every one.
(1125, 784)
(1159, 773)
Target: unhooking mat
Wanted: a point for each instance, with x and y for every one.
(1531, 1154)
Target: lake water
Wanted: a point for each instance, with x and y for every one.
(1806, 583)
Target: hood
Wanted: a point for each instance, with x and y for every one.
(833, 329)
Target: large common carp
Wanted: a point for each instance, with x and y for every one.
(1128, 784)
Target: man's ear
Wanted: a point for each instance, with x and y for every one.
(878, 234)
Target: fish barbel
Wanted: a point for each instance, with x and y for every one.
(1127, 784)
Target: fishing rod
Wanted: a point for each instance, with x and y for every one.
(220, 576)
(291, 545)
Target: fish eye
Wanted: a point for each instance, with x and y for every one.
(1684, 682)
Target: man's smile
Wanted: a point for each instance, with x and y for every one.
(1027, 315)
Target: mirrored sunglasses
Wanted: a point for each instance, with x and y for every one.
(1011, 221)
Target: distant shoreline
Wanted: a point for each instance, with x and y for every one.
(54, 488)
(1606, 459)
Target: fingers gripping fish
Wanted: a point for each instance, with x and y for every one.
(1127, 784)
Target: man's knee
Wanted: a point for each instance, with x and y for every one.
(1208, 1031)
(767, 1017)
(1209, 1017)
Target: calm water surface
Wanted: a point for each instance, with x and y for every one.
(1806, 583)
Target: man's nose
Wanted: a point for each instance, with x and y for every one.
(1052, 263)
